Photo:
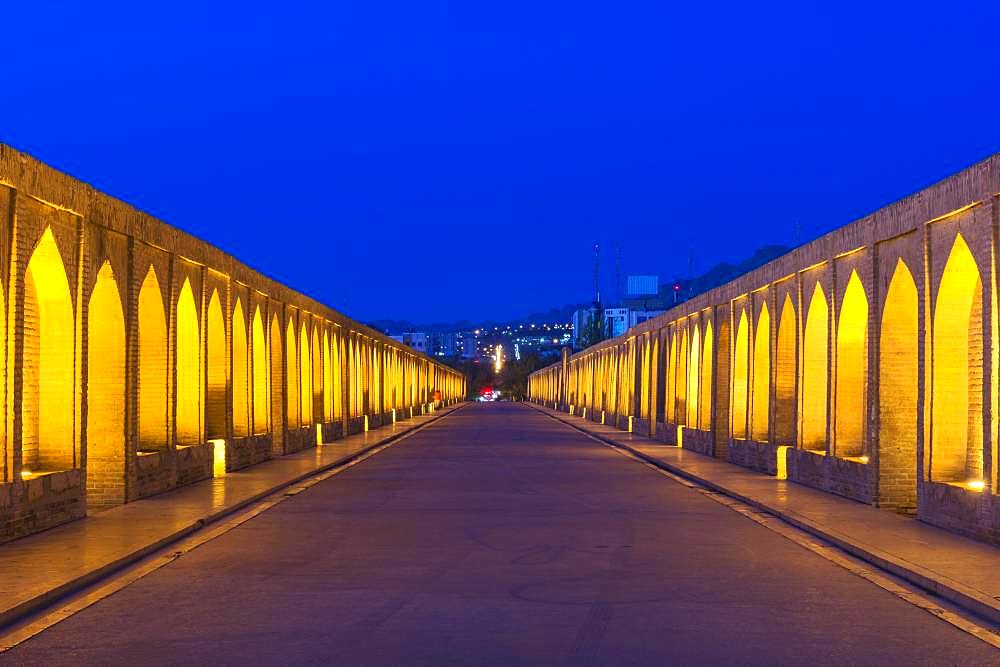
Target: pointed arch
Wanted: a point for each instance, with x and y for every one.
(292, 375)
(260, 393)
(47, 427)
(784, 383)
(761, 375)
(681, 381)
(215, 401)
(705, 418)
(305, 376)
(105, 392)
(188, 390)
(815, 373)
(671, 366)
(318, 376)
(152, 365)
(898, 380)
(740, 379)
(277, 377)
(328, 393)
(957, 370)
(852, 370)
(694, 376)
(241, 362)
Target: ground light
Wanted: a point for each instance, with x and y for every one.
(976, 484)
(219, 457)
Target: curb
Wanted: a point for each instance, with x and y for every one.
(959, 594)
(18, 612)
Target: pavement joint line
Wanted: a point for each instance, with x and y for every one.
(831, 551)
(13, 620)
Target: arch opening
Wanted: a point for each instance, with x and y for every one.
(815, 372)
(957, 368)
(260, 393)
(761, 375)
(784, 382)
(241, 362)
(740, 379)
(105, 392)
(188, 390)
(899, 344)
(152, 366)
(215, 400)
(852, 372)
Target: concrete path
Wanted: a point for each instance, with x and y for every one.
(38, 569)
(961, 570)
(498, 535)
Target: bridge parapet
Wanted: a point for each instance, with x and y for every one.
(139, 358)
(863, 363)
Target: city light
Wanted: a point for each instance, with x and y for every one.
(498, 361)
(976, 484)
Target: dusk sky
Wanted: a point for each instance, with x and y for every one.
(435, 161)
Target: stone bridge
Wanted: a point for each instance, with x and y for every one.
(864, 363)
(139, 358)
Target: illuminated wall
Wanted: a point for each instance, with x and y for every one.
(706, 380)
(852, 370)
(815, 364)
(188, 390)
(241, 361)
(152, 365)
(740, 384)
(215, 399)
(957, 370)
(47, 426)
(784, 390)
(694, 377)
(898, 387)
(761, 375)
(292, 361)
(105, 392)
(260, 369)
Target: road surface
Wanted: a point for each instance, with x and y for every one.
(498, 535)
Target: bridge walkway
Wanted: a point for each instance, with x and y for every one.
(498, 535)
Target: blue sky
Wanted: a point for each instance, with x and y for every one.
(435, 161)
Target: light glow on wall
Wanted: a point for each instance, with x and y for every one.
(852, 370)
(761, 375)
(814, 373)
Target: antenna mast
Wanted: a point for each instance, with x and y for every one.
(597, 274)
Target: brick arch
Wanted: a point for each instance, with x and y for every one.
(105, 392)
(188, 389)
(957, 370)
(705, 401)
(815, 372)
(215, 399)
(260, 373)
(152, 365)
(241, 372)
(694, 377)
(899, 343)
(784, 384)
(852, 371)
(305, 376)
(741, 352)
(761, 403)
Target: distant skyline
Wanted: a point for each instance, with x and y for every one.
(431, 162)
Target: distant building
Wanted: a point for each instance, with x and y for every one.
(580, 319)
(468, 345)
(415, 339)
(616, 321)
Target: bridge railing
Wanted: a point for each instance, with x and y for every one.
(139, 357)
(863, 363)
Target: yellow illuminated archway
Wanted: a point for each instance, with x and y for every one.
(957, 437)
(105, 392)
(188, 371)
(761, 374)
(740, 353)
(784, 387)
(260, 393)
(305, 376)
(815, 365)
(898, 380)
(706, 379)
(693, 378)
(215, 401)
(241, 412)
(292, 375)
(852, 370)
(152, 365)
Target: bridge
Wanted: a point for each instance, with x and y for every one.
(139, 358)
(864, 363)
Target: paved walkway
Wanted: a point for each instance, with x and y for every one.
(38, 569)
(500, 536)
(960, 569)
